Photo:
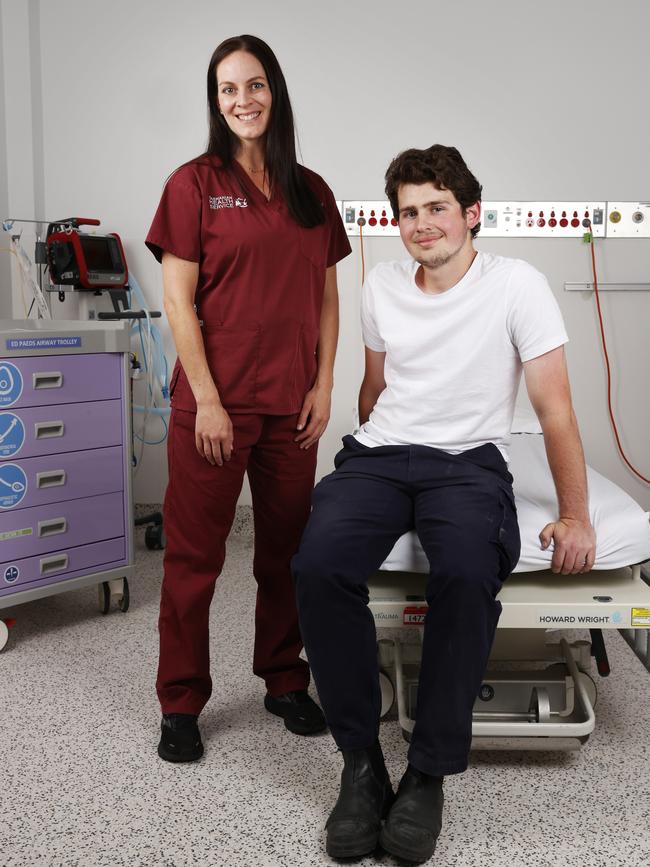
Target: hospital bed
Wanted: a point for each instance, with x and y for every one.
(538, 691)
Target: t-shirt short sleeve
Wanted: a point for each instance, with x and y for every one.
(176, 227)
(534, 321)
(369, 330)
(339, 245)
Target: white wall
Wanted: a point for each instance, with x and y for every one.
(546, 102)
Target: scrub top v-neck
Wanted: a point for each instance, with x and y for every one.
(260, 287)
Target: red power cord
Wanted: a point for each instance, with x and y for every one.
(363, 261)
(609, 372)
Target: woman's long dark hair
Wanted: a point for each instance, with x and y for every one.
(282, 166)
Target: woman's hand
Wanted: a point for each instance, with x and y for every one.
(213, 433)
(315, 413)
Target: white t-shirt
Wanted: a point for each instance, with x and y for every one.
(454, 360)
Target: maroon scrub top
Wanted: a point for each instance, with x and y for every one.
(261, 282)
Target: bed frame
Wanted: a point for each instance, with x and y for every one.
(538, 691)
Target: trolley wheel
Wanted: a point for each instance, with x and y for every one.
(125, 599)
(387, 693)
(154, 537)
(4, 634)
(104, 591)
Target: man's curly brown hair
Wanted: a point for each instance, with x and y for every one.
(440, 165)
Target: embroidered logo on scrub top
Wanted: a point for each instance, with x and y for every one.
(218, 202)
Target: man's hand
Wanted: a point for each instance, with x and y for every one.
(574, 548)
(315, 413)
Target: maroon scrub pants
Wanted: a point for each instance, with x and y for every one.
(198, 513)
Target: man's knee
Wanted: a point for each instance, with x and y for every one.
(469, 574)
(324, 568)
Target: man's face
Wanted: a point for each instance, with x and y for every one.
(432, 224)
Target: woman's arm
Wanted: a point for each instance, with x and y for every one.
(213, 433)
(316, 408)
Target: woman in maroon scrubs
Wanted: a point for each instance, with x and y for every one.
(249, 242)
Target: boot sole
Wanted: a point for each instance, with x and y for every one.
(179, 759)
(358, 850)
(393, 847)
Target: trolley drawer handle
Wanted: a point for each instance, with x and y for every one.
(47, 380)
(45, 429)
(57, 563)
(50, 479)
(52, 527)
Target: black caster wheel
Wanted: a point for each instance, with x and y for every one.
(125, 599)
(104, 591)
(154, 537)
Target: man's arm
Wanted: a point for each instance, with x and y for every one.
(574, 539)
(373, 383)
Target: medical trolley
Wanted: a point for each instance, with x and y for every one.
(66, 513)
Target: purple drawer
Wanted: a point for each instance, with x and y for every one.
(55, 478)
(42, 529)
(61, 565)
(50, 379)
(48, 430)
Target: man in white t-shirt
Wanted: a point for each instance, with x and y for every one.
(447, 333)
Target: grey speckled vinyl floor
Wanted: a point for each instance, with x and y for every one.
(81, 784)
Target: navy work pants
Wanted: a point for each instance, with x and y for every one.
(463, 510)
(199, 510)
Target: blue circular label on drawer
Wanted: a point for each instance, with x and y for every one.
(11, 384)
(12, 574)
(13, 485)
(12, 435)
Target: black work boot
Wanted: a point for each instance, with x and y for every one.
(415, 819)
(180, 739)
(301, 714)
(365, 798)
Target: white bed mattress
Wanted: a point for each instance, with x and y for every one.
(622, 527)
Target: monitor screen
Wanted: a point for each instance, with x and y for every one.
(97, 253)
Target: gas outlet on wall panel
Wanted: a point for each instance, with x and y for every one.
(628, 219)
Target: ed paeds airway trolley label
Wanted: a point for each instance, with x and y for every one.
(42, 342)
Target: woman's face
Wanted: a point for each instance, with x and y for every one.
(244, 95)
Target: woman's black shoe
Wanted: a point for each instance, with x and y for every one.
(301, 714)
(365, 798)
(415, 819)
(180, 739)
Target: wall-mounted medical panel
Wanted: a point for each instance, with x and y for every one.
(628, 219)
(551, 219)
(519, 219)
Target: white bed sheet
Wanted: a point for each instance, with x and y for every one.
(622, 527)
